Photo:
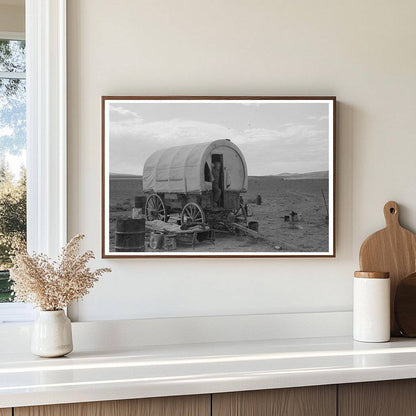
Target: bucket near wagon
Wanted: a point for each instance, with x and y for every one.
(139, 206)
(156, 240)
(253, 225)
(169, 243)
(130, 235)
(138, 213)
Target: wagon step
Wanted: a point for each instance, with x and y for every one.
(258, 236)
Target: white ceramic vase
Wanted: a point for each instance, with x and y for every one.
(52, 334)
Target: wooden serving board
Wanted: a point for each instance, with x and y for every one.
(405, 306)
(392, 250)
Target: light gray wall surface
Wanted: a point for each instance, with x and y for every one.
(361, 51)
(12, 17)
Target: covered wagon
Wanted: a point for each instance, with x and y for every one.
(200, 181)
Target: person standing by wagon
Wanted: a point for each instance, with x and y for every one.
(216, 178)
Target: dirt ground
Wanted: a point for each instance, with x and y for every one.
(279, 198)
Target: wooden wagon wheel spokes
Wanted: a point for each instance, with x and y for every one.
(240, 214)
(192, 213)
(155, 208)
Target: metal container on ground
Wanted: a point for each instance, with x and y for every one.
(169, 243)
(253, 225)
(130, 235)
(156, 240)
(138, 213)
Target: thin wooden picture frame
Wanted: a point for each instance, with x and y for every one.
(330, 203)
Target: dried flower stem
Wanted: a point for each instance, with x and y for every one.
(53, 285)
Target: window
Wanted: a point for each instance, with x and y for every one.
(12, 167)
(12, 154)
(33, 132)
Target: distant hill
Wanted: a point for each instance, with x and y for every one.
(286, 176)
(323, 174)
(124, 176)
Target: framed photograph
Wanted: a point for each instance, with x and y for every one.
(218, 177)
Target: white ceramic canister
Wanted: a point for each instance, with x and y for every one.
(52, 334)
(371, 309)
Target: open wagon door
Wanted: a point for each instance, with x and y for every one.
(233, 177)
(218, 184)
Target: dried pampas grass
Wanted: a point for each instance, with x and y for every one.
(53, 285)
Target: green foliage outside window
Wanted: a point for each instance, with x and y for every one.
(12, 148)
(12, 222)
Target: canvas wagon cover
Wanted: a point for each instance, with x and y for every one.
(180, 169)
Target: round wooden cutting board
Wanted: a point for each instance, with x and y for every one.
(392, 250)
(405, 306)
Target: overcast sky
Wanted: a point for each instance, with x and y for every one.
(274, 137)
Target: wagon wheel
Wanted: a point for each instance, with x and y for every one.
(155, 208)
(192, 213)
(240, 214)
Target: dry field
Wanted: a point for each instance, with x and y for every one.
(279, 198)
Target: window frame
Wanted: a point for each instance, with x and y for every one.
(46, 135)
(46, 125)
(12, 35)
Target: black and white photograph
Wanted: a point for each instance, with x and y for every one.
(218, 176)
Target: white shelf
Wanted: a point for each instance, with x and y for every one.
(148, 371)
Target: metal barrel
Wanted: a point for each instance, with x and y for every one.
(130, 235)
(140, 201)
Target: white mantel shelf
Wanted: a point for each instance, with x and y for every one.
(200, 368)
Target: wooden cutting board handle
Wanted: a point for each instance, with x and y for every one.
(393, 250)
(391, 214)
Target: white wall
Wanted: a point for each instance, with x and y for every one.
(361, 51)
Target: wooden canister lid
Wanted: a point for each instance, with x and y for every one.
(372, 275)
